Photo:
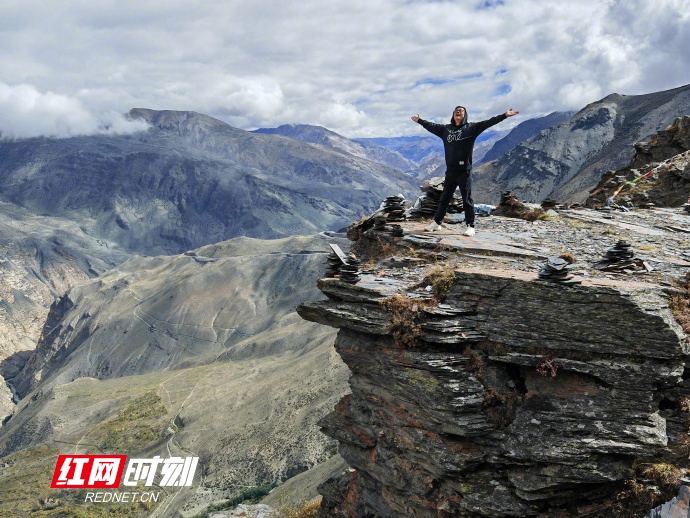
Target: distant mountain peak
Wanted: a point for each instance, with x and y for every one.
(177, 121)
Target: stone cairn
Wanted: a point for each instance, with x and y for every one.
(393, 210)
(427, 204)
(548, 203)
(394, 206)
(620, 258)
(508, 199)
(350, 272)
(333, 265)
(557, 270)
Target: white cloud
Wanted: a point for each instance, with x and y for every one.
(341, 116)
(359, 67)
(26, 112)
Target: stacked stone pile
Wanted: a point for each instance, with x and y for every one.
(350, 272)
(333, 265)
(380, 222)
(620, 258)
(394, 206)
(381, 226)
(427, 204)
(557, 270)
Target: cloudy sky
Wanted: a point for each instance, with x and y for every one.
(358, 67)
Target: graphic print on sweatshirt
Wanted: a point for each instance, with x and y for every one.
(455, 135)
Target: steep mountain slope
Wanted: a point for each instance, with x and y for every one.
(41, 257)
(522, 132)
(567, 160)
(158, 313)
(331, 140)
(192, 180)
(211, 340)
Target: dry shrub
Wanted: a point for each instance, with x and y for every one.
(548, 367)
(680, 304)
(636, 497)
(306, 509)
(406, 317)
(664, 474)
(388, 250)
(441, 279)
(532, 215)
(660, 483)
(475, 362)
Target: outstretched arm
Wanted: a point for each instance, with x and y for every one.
(481, 126)
(431, 127)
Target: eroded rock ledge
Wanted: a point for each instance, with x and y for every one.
(522, 397)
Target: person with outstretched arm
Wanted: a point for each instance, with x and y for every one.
(458, 142)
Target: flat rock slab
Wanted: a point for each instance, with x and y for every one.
(532, 276)
(639, 229)
(488, 243)
(485, 242)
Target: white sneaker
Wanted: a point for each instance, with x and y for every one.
(433, 227)
(469, 232)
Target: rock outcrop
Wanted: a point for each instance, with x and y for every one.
(658, 173)
(512, 397)
(566, 161)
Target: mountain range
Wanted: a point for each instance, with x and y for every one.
(204, 354)
(192, 180)
(162, 270)
(567, 160)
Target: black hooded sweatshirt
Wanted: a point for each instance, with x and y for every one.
(458, 141)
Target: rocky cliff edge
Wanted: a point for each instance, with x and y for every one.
(478, 389)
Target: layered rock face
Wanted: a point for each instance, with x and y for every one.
(521, 397)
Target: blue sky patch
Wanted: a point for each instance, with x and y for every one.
(490, 4)
(435, 81)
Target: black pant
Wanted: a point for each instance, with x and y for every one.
(454, 179)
